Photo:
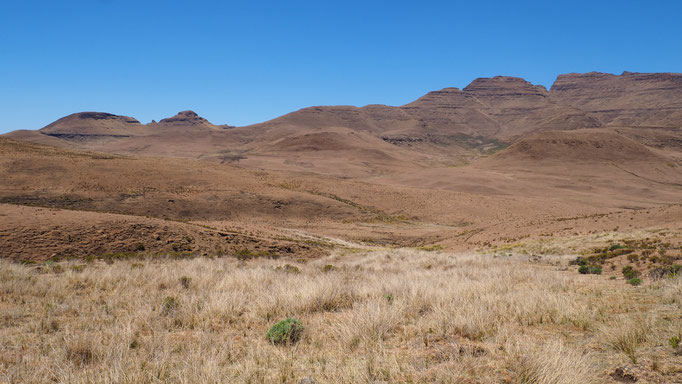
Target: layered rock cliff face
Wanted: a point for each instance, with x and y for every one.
(502, 108)
(631, 99)
(521, 108)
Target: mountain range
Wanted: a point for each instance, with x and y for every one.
(500, 159)
(444, 128)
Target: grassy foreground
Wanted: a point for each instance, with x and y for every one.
(383, 316)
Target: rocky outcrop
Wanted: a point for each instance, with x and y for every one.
(630, 99)
(521, 108)
(505, 89)
(105, 116)
(185, 117)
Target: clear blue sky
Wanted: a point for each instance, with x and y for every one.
(249, 61)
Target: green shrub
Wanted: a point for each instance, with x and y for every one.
(589, 269)
(328, 268)
(139, 247)
(287, 331)
(578, 261)
(674, 342)
(615, 246)
(630, 273)
(635, 281)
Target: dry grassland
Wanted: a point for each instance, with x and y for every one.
(383, 316)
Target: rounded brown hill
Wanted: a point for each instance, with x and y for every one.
(579, 146)
(93, 124)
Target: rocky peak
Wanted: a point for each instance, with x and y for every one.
(185, 117)
(627, 80)
(504, 86)
(443, 98)
(571, 81)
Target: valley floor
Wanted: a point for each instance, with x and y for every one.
(370, 316)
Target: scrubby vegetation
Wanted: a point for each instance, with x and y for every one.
(653, 256)
(630, 273)
(287, 331)
(393, 316)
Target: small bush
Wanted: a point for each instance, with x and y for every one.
(674, 342)
(635, 281)
(615, 246)
(665, 271)
(594, 269)
(287, 331)
(328, 268)
(578, 261)
(630, 273)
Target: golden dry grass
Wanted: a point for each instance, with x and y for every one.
(381, 316)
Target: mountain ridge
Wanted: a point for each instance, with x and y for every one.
(445, 126)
